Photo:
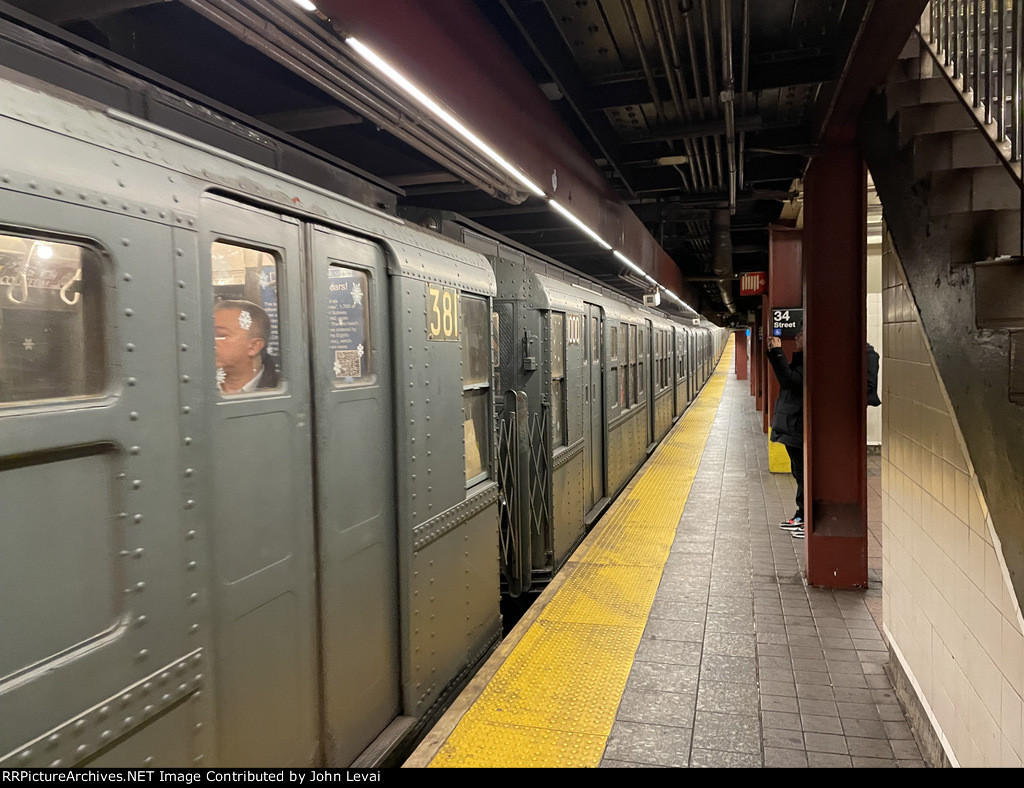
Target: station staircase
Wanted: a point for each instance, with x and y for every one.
(951, 199)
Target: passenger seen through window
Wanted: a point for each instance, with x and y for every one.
(241, 333)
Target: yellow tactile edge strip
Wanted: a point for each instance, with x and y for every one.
(548, 695)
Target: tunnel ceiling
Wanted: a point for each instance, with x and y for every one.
(643, 85)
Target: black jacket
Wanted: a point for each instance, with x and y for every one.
(788, 421)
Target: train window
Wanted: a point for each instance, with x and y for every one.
(52, 339)
(348, 330)
(495, 340)
(595, 343)
(247, 342)
(659, 362)
(633, 399)
(557, 379)
(615, 343)
(617, 396)
(666, 359)
(476, 360)
(475, 337)
(641, 355)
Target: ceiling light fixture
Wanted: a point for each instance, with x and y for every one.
(565, 212)
(440, 113)
(305, 5)
(629, 262)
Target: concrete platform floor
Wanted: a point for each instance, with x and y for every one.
(741, 664)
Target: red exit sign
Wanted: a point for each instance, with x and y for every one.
(753, 283)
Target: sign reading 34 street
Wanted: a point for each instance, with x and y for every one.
(787, 321)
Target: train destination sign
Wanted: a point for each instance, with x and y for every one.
(787, 321)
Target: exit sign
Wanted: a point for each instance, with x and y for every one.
(753, 283)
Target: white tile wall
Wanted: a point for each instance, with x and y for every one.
(948, 608)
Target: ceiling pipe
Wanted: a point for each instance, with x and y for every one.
(744, 84)
(729, 99)
(678, 98)
(709, 57)
(634, 29)
(671, 26)
(721, 256)
(275, 35)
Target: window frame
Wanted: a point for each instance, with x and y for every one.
(474, 389)
(369, 377)
(279, 269)
(561, 439)
(99, 318)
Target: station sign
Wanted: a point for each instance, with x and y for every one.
(753, 283)
(787, 322)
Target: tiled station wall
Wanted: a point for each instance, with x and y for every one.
(950, 614)
(874, 333)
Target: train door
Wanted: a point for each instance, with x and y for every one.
(593, 406)
(260, 508)
(645, 393)
(354, 481)
(692, 365)
(652, 350)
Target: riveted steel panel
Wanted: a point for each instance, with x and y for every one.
(261, 515)
(124, 581)
(355, 493)
(207, 503)
(567, 482)
(169, 740)
(446, 541)
(461, 563)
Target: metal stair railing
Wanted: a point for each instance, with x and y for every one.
(979, 43)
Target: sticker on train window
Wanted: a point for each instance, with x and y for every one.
(442, 313)
(348, 316)
(51, 320)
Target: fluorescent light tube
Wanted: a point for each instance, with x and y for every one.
(440, 113)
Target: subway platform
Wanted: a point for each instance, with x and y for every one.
(682, 633)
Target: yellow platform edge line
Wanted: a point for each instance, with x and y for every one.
(549, 694)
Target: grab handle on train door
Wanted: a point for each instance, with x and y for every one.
(64, 289)
(586, 395)
(24, 291)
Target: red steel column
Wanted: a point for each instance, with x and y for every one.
(767, 375)
(835, 398)
(785, 288)
(741, 354)
(757, 353)
(754, 365)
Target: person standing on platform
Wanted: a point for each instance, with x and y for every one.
(788, 421)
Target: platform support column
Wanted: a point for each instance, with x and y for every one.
(741, 354)
(785, 290)
(757, 368)
(835, 398)
(766, 370)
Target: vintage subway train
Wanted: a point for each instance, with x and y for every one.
(589, 383)
(260, 443)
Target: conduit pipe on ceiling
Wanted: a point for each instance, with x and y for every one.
(685, 8)
(744, 83)
(721, 256)
(709, 58)
(275, 35)
(652, 86)
(729, 99)
(675, 84)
